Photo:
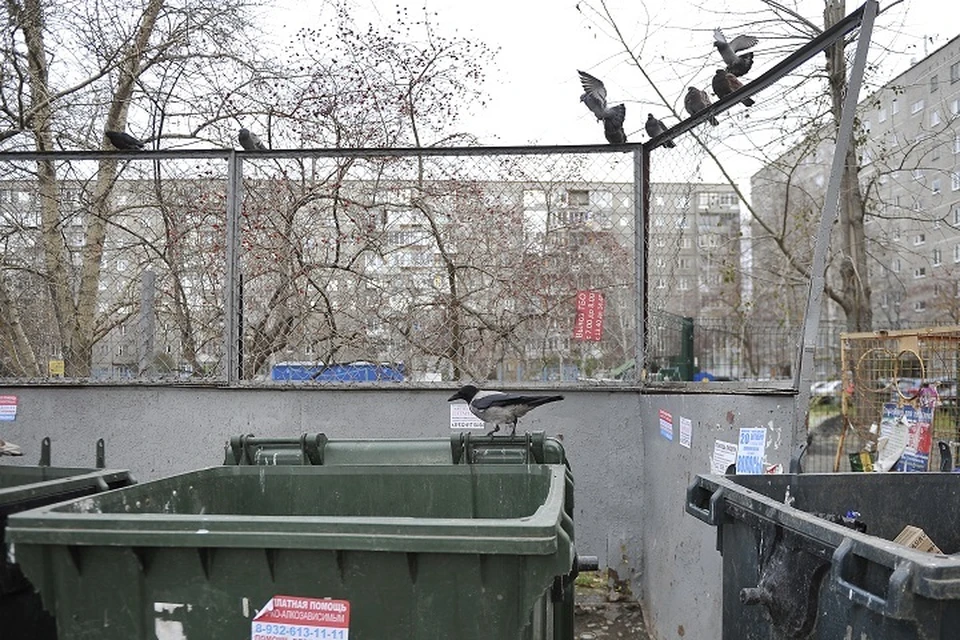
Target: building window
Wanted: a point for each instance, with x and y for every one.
(683, 263)
(578, 198)
(956, 253)
(935, 185)
(919, 239)
(919, 305)
(956, 144)
(934, 83)
(894, 107)
(918, 175)
(882, 115)
(660, 241)
(954, 72)
(937, 257)
(955, 181)
(884, 300)
(661, 283)
(920, 272)
(934, 118)
(917, 204)
(896, 265)
(955, 106)
(916, 107)
(956, 216)
(683, 284)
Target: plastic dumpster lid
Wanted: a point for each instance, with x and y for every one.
(463, 448)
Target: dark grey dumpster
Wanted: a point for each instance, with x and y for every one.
(811, 571)
(21, 488)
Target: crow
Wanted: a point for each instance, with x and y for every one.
(496, 407)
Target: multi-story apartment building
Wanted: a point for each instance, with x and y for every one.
(909, 145)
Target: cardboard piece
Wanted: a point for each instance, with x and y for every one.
(915, 538)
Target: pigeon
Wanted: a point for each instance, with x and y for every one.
(124, 141)
(738, 65)
(697, 100)
(498, 408)
(725, 83)
(9, 449)
(250, 141)
(595, 97)
(655, 127)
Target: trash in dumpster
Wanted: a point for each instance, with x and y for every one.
(915, 538)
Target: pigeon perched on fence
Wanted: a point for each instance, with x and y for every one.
(696, 101)
(124, 141)
(595, 97)
(496, 407)
(250, 141)
(737, 64)
(9, 449)
(725, 83)
(654, 128)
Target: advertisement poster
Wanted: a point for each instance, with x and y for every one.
(751, 450)
(666, 424)
(686, 432)
(724, 455)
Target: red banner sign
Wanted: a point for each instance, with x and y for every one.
(589, 323)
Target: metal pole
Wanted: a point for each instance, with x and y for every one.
(641, 191)
(831, 203)
(231, 321)
(147, 328)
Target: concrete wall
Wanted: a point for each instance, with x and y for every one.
(630, 480)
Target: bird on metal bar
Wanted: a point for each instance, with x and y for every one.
(737, 64)
(654, 128)
(250, 141)
(124, 141)
(595, 97)
(725, 83)
(9, 449)
(696, 101)
(499, 408)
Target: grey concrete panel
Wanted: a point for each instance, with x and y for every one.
(630, 481)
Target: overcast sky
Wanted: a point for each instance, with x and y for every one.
(535, 91)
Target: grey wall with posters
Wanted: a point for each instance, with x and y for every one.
(630, 478)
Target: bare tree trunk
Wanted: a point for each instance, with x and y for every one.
(854, 293)
(23, 354)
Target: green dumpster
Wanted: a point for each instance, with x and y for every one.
(25, 487)
(318, 539)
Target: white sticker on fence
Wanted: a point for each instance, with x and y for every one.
(296, 618)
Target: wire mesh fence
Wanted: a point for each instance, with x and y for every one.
(563, 265)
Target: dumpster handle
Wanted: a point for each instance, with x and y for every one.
(709, 510)
(898, 603)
